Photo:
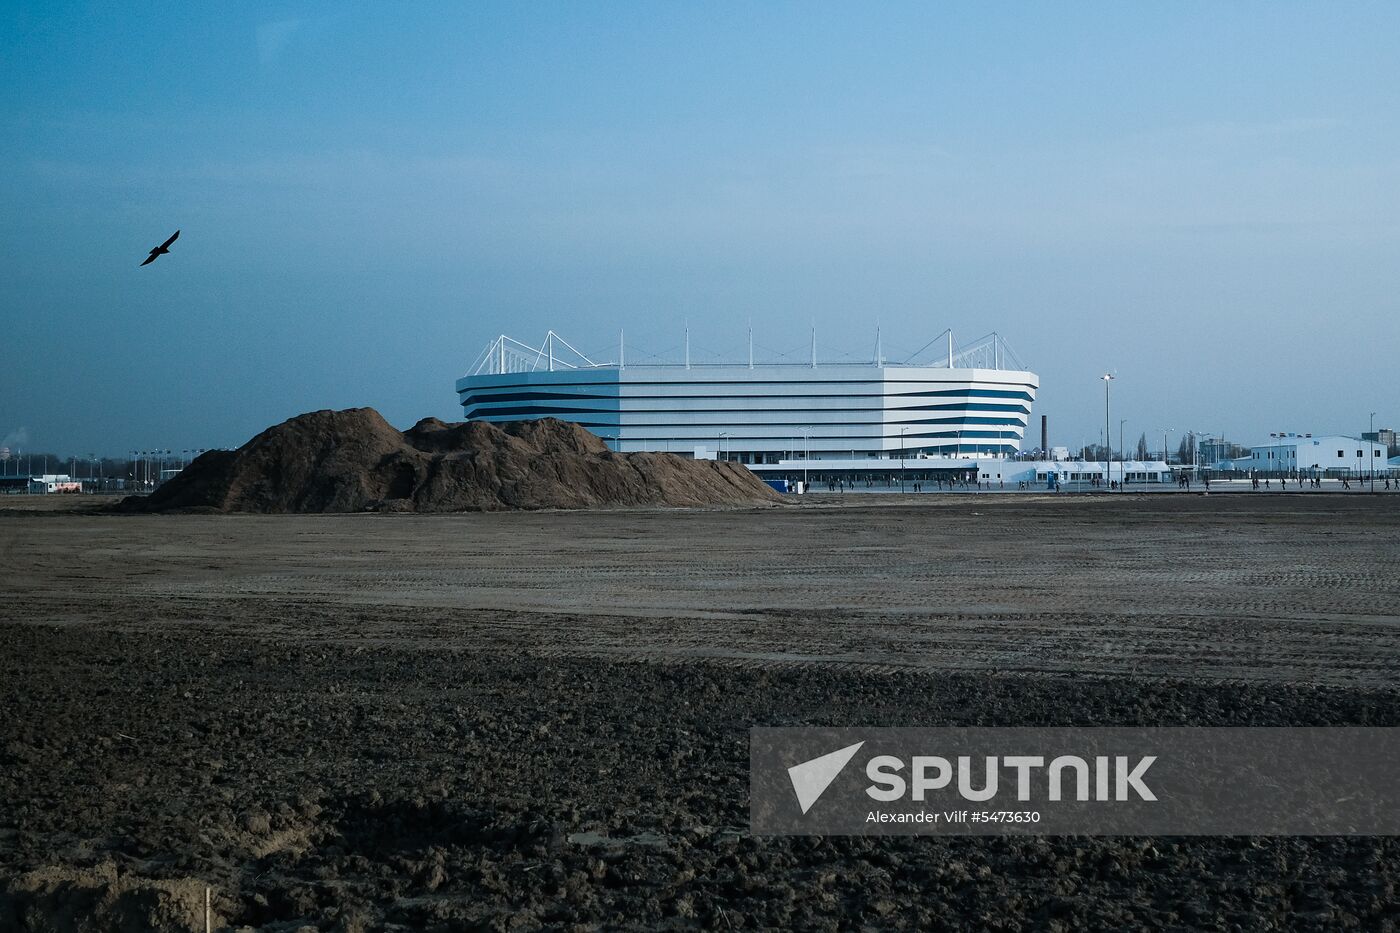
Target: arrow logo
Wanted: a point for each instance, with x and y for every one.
(810, 779)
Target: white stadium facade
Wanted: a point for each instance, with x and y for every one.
(969, 406)
(962, 415)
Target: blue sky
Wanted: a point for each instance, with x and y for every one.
(1202, 197)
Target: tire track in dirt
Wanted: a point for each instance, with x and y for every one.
(1175, 586)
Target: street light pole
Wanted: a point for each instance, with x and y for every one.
(806, 453)
(1122, 478)
(901, 457)
(1371, 452)
(1107, 437)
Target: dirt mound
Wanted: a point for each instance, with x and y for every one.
(354, 460)
(102, 898)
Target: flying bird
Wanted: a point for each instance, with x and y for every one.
(161, 250)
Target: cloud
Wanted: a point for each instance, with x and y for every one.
(273, 38)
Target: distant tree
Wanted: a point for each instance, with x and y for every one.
(1096, 452)
(1142, 453)
(1186, 450)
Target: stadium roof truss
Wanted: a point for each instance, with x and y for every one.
(508, 355)
(505, 355)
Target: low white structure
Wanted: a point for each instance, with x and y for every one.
(996, 471)
(1304, 454)
(53, 483)
(1072, 472)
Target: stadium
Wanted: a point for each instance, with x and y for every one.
(970, 404)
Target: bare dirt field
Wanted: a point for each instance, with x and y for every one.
(539, 720)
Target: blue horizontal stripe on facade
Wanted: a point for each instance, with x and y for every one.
(627, 419)
(610, 377)
(709, 436)
(487, 409)
(486, 393)
(749, 400)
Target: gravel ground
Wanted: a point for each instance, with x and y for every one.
(540, 720)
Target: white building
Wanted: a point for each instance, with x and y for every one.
(1070, 472)
(967, 404)
(53, 483)
(997, 472)
(1325, 455)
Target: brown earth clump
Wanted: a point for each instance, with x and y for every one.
(103, 897)
(355, 461)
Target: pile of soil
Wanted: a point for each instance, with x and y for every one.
(354, 461)
(103, 897)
